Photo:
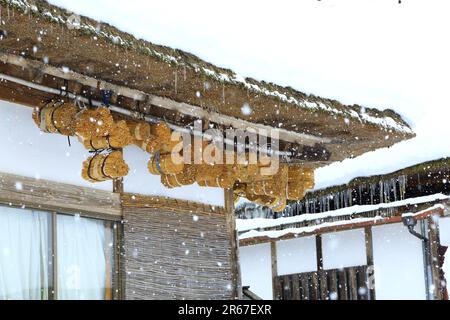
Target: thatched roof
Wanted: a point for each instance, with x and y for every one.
(39, 31)
(435, 174)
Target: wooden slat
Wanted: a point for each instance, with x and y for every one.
(280, 284)
(352, 284)
(304, 282)
(332, 283)
(287, 288)
(295, 287)
(323, 285)
(59, 197)
(314, 292)
(363, 291)
(342, 285)
(278, 292)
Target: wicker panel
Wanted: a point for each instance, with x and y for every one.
(172, 255)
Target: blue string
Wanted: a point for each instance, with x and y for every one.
(106, 97)
(157, 159)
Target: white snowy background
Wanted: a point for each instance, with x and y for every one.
(381, 54)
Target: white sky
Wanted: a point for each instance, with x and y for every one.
(375, 53)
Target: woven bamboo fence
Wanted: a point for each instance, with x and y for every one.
(172, 252)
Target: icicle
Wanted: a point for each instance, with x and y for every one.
(380, 198)
(336, 201)
(372, 192)
(360, 194)
(402, 186)
(394, 187)
(386, 191)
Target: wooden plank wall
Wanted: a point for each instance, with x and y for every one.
(336, 284)
(174, 253)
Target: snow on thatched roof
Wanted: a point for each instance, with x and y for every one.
(40, 31)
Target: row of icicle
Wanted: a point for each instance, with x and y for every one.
(105, 137)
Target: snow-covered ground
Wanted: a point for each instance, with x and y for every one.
(382, 54)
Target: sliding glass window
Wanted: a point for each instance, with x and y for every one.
(54, 256)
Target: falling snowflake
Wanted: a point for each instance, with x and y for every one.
(246, 109)
(19, 186)
(333, 296)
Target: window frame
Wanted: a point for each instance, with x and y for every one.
(33, 194)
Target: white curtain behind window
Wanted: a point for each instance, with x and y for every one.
(24, 248)
(83, 258)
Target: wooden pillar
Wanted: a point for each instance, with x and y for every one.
(323, 287)
(234, 243)
(54, 222)
(118, 185)
(433, 249)
(118, 277)
(274, 264)
(319, 253)
(370, 264)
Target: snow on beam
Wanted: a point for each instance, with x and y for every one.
(255, 237)
(258, 223)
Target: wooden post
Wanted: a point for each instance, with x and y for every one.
(370, 264)
(118, 277)
(319, 253)
(274, 263)
(323, 285)
(54, 217)
(234, 243)
(433, 247)
(118, 185)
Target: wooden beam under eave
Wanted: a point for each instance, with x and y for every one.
(166, 103)
(14, 93)
(31, 97)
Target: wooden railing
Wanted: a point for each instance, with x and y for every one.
(336, 284)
